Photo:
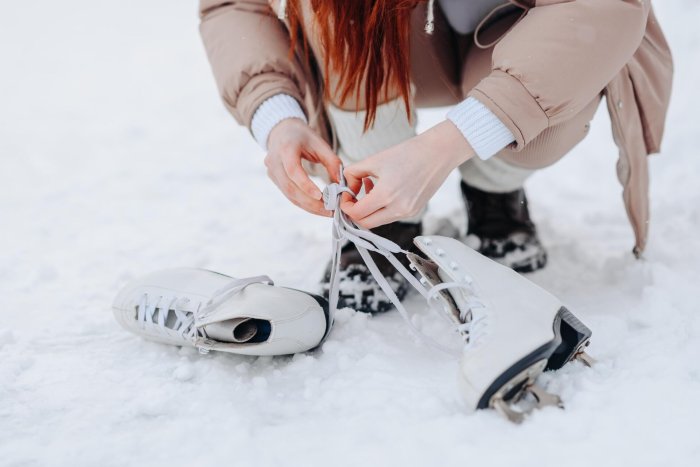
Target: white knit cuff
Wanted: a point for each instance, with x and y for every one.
(485, 132)
(272, 111)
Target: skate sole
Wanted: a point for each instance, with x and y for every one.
(570, 336)
(510, 384)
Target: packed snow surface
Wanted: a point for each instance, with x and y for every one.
(116, 158)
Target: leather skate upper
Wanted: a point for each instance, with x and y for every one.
(519, 314)
(297, 319)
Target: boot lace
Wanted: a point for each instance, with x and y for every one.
(471, 321)
(168, 313)
(157, 310)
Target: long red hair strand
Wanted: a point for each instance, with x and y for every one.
(365, 42)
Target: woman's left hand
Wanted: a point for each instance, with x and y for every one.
(405, 176)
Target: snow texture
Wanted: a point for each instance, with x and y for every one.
(116, 159)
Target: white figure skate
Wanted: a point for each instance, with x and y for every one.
(210, 311)
(513, 329)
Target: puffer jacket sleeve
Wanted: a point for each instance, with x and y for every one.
(248, 49)
(557, 59)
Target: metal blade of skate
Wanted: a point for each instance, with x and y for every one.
(544, 398)
(586, 359)
(512, 392)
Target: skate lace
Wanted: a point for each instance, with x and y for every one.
(473, 322)
(157, 310)
(344, 229)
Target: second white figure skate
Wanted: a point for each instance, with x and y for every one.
(513, 329)
(192, 307)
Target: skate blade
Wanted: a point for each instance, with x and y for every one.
(586, 359)
(505, 399)
(583, 357)
(544, 398)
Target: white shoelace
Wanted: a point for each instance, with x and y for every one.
(471, 325)
(186, 321)
(365, 241)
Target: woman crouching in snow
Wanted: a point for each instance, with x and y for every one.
(323, 81)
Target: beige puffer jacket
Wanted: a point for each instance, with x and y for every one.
(551, 64)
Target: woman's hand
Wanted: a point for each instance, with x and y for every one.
(405, 176)
(289, 142)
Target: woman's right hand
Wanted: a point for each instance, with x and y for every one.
(290, 142)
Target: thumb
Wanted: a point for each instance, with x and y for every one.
(355, 173)
(327, 158)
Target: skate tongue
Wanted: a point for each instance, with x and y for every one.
(237, 330)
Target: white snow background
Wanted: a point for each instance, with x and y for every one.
(117, 158)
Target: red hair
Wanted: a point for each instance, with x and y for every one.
(364, 41)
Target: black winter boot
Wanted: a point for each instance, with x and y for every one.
(358, 289)
(500, 228)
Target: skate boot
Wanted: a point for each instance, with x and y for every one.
(210, 311)
(357, 288)
(513, 329)
(499, 227)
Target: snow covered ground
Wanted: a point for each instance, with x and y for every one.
(116, 158)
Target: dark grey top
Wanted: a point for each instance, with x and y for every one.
(465, 15)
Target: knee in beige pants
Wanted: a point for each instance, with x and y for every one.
(493, 175)
(508, 170)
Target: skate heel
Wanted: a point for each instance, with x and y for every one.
(504, 400)
(575, 337)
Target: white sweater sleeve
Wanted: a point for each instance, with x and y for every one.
(485, 132)
(272, 111)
